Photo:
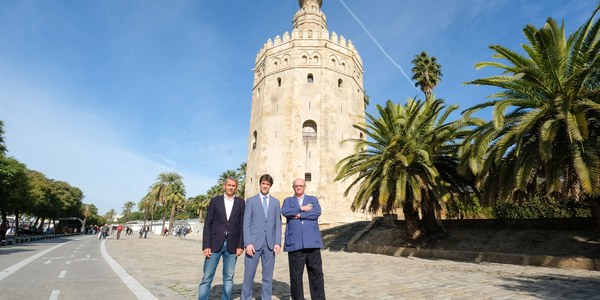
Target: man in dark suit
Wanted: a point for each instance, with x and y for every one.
(262, 238)
(303, 242)
(222, 236)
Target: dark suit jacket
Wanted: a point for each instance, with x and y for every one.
(217, 228)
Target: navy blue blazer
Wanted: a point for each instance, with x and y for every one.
(301, 233)
(217, 228)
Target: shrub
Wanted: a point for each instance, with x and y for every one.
(540, 208)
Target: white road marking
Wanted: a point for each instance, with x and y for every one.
(135, 286)
(8, 271)
(62, 274)
(87, 256)
(47, 262)
(54, 295)
(68, 262)
(72, 255)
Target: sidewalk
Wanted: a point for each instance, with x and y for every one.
(171, 267)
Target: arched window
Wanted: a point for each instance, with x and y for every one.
(304, 59)
(254, 138)
(278, 81)
(340, 81)
(310, 78)
(316, 59)
(309, 130)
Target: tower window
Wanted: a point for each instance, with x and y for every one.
(316, 59)
(340, 81)
(309, 130)
(254, 138)
(310, 78)
(307, 177)
(278, 81)
(304, 58)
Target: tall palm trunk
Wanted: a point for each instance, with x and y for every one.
(433, 226)
(172, 218)
(164, 218)
(595, 207)
(414, 230)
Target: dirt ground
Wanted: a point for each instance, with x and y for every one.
(551, 242)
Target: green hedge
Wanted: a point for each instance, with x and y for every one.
(538, 208)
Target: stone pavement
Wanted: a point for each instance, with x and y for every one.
(171, 268)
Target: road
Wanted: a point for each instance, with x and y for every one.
(64, 268)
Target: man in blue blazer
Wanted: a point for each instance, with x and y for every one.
(222, 236)
(303, 242)
(262, 238)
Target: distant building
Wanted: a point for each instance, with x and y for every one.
(307, 94)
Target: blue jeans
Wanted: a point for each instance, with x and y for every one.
(210, 267)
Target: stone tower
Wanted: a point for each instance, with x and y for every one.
(307, 94)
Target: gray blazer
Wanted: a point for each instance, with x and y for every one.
(258, 227)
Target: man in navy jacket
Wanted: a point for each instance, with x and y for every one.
(222, 236)
(303, 242)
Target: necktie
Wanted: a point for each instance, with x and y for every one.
(264, 203)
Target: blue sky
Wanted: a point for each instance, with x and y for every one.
(107, 94)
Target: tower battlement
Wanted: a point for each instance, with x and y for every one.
(303, 35)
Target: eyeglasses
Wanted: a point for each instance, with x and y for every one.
(297, 186)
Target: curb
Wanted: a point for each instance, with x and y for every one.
(561, 262)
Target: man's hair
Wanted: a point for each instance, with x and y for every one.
(267, 178)
(230, 178)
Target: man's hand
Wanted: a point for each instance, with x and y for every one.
(276, 249)
(250, 250)
(239, 251)
(207, 252)
(306, 208)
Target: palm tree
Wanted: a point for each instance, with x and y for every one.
(127, 210)
(545, 133)
(162, 188)
(110, 215)
(201, 203)
(241, 176)
(176, 197)
(145, 204)
(427, 73)
(400, 162)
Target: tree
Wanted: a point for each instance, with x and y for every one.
(162, 188)
(110, 215)
(427, 73)
(127, 210)
(407, 160)
(544, 137)
(2, 145)
(240, 175)
(176, 197)
(200, 203)
(14, 187)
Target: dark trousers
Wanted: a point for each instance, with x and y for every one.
(312, 259)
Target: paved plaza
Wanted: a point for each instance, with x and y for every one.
(171, 267)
